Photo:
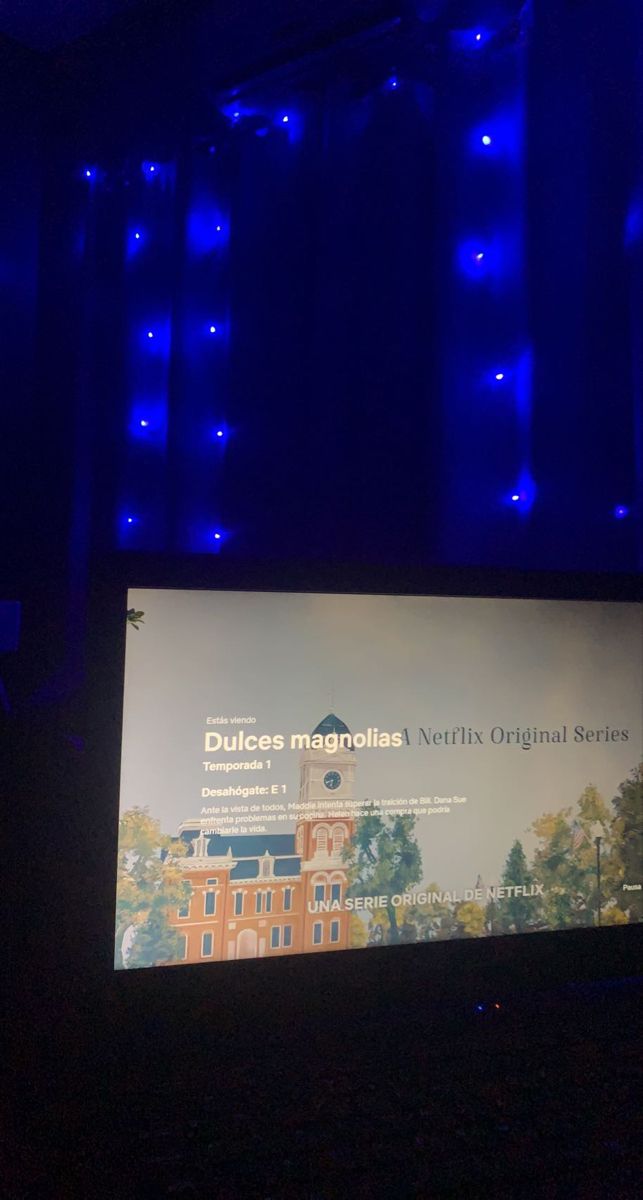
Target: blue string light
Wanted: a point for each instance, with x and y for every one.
(621, 511)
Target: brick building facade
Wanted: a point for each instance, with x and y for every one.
(263, 895)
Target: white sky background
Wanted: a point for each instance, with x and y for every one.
(390, 662)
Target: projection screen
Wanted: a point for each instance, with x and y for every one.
(304, 773)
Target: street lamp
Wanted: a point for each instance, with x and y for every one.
(597, 833)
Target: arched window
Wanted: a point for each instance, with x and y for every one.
(339, 835)
(321, 840)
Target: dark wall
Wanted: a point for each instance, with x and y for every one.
(353, 373)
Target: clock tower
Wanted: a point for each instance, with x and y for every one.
(325, 825)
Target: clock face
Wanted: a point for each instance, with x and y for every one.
(332, 780)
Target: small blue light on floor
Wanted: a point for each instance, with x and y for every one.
(218, 229)
(150, 333)
(486, 140)
(150, 169)
(219, 433)
(500, 376)
(393, 83)
(143, 423)
(515, 497)
(479, 1007)
(212, 328)
(89, 174)
(217, 537)
(285, 119)
(621, 511)
(478, 37)
(137, 236)
(131, 520)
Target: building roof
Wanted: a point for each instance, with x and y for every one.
(249, 849)
(245, 845)
(331, 724)
(249, 869)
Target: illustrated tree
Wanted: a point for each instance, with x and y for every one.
(470, 919)
(383, 859)
(149, 883)
(565, 862)
(627, 852)
(433, 921)
(514, 914)
(357, 933)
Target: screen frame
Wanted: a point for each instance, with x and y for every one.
(485, 965)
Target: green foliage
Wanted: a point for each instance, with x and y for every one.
(135, 618)
(470, 919)
(515, 913)
(149, 883)
(568, 868)
(383, 860)
(156, 940)
(628, 845)
(433, 922)
(358, 933)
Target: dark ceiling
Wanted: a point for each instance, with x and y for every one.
(47, 24)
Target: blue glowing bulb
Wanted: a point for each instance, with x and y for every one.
(88, 173)
(130, 520)
(137, 236)
(478, 37)
(392, 83)
(150, 333)
(143, 423)
(621, 511)
(213, 329)
(217, 537)
(486, 140)
(285, 119)
(152, 168)
(515, 497)
(218, 229)
(500, 375)
(479, 256)
(219, 433)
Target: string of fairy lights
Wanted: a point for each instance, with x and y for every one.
(149, 352)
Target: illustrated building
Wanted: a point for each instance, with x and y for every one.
(273, 894)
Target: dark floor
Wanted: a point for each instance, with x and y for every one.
(538, 1097)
